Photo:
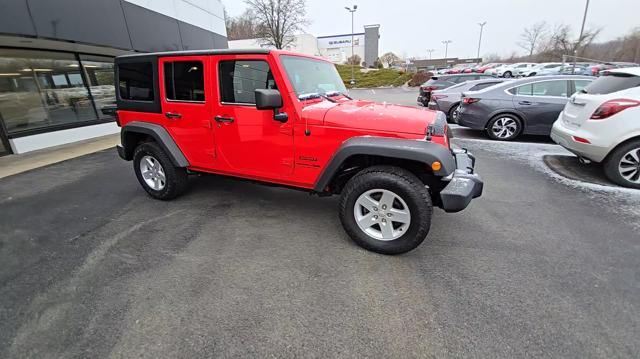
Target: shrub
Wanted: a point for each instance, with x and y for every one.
(419, 78)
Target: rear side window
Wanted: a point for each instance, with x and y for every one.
(607, 84)
(581, 84)
(135, 81)
(482, 86)
(184, 81)
(240, 78)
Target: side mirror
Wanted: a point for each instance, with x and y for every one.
(268, 99)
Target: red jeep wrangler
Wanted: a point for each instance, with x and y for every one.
(284, 118)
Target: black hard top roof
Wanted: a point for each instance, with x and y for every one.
(195, 53)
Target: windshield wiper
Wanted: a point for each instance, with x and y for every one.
(338, 93)
(309, 96)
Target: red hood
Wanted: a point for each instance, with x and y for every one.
(369, 115)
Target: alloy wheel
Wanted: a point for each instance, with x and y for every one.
(382, 214)
(504, 127)
(455, 114)
(153, 173)
(629, 166)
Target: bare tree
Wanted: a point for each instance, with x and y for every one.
(561, 41)
(354, 60)
(531, 37)
(243, 26)
(389, 58)
(278, 20)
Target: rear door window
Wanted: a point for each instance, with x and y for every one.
(135, 81)
(550, 88)
(184, 81)
(524, 90)
(240, 78)
(610, 83)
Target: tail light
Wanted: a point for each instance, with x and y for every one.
(612, 107)
(470, 100)
(428, 88)
(437, 97)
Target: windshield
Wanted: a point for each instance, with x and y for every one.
(312, 77)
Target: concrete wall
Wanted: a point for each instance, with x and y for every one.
(371, 39)
(303, 43)
(142, 25)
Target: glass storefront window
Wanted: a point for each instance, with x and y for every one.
(40, 89)
(99, 74)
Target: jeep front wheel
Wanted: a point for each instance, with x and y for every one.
(386, 210)
(156, 173)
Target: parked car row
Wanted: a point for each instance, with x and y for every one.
(594, 117)
(524, 69)
(445, 81)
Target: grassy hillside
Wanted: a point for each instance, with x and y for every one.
(382, 77)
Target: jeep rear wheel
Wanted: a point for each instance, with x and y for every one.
(157, 174)
(386, 210)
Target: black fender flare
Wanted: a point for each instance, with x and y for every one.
(415, 150)
(160, 136)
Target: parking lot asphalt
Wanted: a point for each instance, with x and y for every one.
(90, 266)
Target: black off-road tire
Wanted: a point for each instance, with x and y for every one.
(612, 162)
(404, 184)
(176, 177)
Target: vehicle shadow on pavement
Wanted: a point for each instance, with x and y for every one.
(570, 167)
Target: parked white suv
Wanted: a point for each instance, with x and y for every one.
(601, 123)
(513, 69)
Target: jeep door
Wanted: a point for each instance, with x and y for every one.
(541, 102)
(250, 141)
(186, 106)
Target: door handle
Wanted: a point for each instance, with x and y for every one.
(524, 103)
(221, 119)
(172, 115)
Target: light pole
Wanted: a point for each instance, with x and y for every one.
(446, 49)
(353, 78)
(430, 51)
(480, 39)
(575, 52)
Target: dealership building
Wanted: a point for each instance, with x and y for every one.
(336, 48)
(56, 60)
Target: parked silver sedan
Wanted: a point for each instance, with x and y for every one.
(529, 105)
(448, 100)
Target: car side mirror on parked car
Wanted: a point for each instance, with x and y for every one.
(267, 99)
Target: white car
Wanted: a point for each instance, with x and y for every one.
(538, 69)
(512, 70)
(601, 123)
(494, 71)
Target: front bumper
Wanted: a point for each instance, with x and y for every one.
(464, 184)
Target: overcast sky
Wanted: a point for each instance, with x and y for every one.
(409, 27)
